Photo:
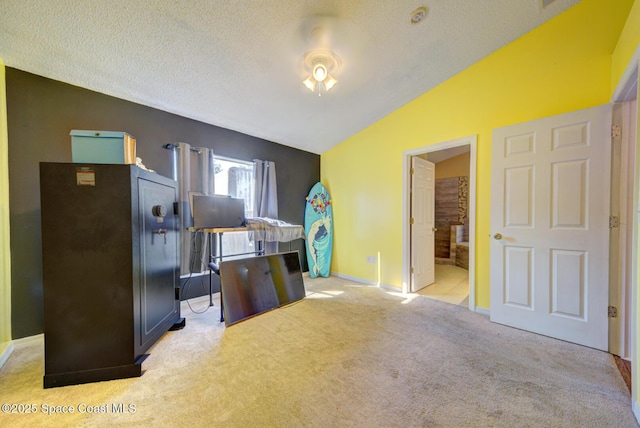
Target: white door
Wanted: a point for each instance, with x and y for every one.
(550, 226)
(422, 223)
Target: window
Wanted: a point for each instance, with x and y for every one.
(235, 178)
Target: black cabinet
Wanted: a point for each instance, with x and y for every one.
(110, 269)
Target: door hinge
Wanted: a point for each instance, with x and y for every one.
(412, 171)
(412, 269)
(613, 312)
(411, 220)
(614, 221)
(616, 131)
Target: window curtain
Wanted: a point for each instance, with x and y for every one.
(266, 195)
(195, 174)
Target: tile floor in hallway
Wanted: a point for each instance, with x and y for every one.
(451, 286)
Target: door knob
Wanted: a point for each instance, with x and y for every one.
(497, 236)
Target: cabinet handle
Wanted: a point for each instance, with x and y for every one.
(162, 232)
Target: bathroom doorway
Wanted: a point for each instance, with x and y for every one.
(454, 221)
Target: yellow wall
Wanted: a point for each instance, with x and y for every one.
(5, 260)
(627, 45)
(563, 65)
(457, 166)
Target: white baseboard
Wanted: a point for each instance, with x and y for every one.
(390, 287)
(387, 287)
(636, 410)
(6, 354)
(353, 278)
(483, 311)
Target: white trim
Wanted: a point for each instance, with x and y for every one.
(483, 311)
(628, 80)
(389, 287)
(366, 282)
(353, 278)
(624, 92)
(626, 230)
(6, 354)
(633, 232)
(472, 141)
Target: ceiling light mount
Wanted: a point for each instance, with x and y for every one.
(321, 64)
(418, 15)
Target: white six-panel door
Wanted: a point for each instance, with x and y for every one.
(422, 228)
(550, 226)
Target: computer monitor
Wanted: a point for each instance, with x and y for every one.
(218, 211)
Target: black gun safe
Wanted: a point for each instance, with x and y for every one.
(110, 269)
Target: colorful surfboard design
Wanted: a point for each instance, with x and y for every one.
(318, 227)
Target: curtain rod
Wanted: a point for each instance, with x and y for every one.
(173, 147)
(267, 162)
(197, 150)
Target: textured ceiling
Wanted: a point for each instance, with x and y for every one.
(239, 64)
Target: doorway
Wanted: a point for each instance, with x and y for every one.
(455, 244)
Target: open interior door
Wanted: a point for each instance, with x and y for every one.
(422, 223)
(550, 226)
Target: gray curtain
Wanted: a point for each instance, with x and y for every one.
(195, 174)
(266, 195)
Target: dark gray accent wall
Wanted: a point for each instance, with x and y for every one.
(41, 113)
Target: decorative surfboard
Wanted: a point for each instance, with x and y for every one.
(318, 227)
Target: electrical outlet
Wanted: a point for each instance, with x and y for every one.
(372, 259)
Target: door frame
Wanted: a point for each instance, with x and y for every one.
(621, 237)
(472, 142)
(626, 90)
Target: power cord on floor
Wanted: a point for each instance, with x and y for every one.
(192, 265)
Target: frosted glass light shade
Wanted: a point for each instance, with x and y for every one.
(320, 72)
(310, 83)
(329, 82)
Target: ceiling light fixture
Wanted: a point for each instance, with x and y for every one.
(418, 15)
(321, 64)
(320, 72)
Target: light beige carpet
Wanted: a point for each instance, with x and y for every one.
(346, 356)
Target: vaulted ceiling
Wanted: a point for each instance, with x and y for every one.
(240, 64)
